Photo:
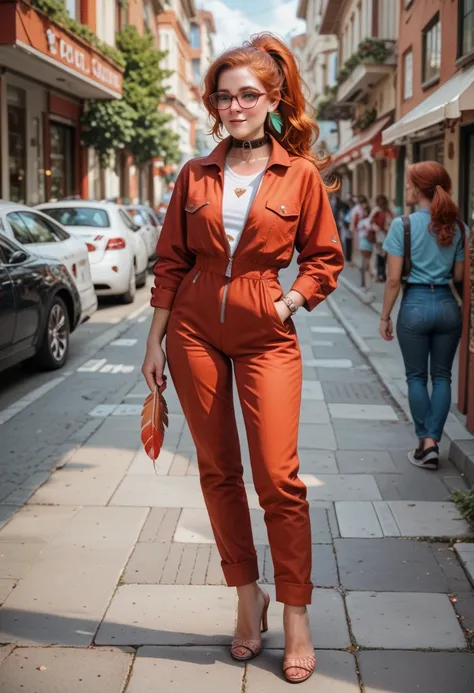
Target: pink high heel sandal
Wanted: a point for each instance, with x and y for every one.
(253, 647)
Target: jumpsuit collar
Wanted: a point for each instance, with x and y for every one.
(279, 155)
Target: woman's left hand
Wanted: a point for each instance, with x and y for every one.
(283, 311)
(386, 329)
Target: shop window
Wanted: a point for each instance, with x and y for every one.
(16, 108)
(431, 151)
(431, 51)
(408, 75)
(466, 27)
(62, 158)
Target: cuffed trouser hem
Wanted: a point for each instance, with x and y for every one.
(294, 595)
(238, 574)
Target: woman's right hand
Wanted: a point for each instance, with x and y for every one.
(154, 365)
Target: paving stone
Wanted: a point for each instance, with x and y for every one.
(404, 621)
(6, 586)
(365, 462)
(17, 558)
(169, 615)
(317, 462)
(167, 492)
(466, 556)
(390, 565)
(423, 672)
(383, 435)
(146, 563)
(327, 617)
(214, 575)
(194, 527)
(200, 566)
(386, 519)
(354, 393)
(358, 375)
(314, 412)
(428, 519)
(202, 670)
(142, 464)
(160, 525)
(453, 571)
(64, 595)
(4, 652)
(37, 524)
(357, 519)
(362, 411)
(335, 487)
(317, 437)
(464, 606)
(65, 669)
(6, 513)
(312, 390)
(413, 484)
(335, 673)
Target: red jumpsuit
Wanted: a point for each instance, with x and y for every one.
(223, 315)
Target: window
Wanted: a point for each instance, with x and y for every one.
(127, 221)
(195, 36)
(19, 229)
(72, 8)
(408, 75)
(431, 151)
(196, 70)
(431, 50)
(38, 228)
(466, 27)
(6, 251)
(80, 216)
(16, 113)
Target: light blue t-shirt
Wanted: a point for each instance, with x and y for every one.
(430, 263)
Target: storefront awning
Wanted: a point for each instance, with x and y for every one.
(369, 138)
(447, 102)
(31, 44)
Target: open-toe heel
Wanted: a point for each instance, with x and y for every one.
(253, 647)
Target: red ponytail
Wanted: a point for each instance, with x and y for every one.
(434, 183)
(274, 64)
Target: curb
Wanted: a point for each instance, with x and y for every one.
(461, 449)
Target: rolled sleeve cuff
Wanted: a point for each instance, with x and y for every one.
(310, 289)
(161, 297)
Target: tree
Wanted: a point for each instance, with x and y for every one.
(134, 122)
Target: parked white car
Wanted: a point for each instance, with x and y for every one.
(118, 253)
(37, 232)
(145, 216)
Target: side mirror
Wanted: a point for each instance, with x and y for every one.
(136, 227)
(18, 257)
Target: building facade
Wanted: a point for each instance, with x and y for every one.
(46, 74)
(202, 54)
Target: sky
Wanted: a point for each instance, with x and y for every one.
(236, 20)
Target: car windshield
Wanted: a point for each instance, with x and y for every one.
(80, 216)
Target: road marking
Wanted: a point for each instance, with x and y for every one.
(124, 342)
(321, 342)
(28, 399)
(141, 319)
(328, 363)
(92, 366)
(116, 368)
(327, 330)
(102, 411)
(95, 346)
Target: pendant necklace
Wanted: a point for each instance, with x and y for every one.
(248, 145)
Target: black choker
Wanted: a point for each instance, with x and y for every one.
(250, 144)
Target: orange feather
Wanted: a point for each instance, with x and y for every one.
(154, 421)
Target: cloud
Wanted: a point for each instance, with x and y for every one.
(235, 26)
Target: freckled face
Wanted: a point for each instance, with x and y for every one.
(245, 119)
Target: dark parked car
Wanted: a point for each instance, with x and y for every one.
(39, 307)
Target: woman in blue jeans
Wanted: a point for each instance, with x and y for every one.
(430, 319)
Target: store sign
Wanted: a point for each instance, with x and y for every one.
(81, 61)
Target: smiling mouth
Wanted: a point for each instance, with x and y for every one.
(237, 121)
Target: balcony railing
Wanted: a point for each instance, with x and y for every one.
(365, 68)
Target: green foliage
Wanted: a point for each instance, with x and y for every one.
(365, 120)
(134, 122)
(56, 10)
(370, 51)
(464, 501)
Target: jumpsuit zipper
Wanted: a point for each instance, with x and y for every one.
(228, 274)
(197, 276)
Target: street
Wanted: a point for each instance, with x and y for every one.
(110, 578)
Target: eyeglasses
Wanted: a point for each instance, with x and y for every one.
(223, 101)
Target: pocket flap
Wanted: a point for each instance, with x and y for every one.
(193, 205)
(284, 209)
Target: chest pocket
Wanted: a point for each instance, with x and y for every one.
(193, 206)
(283, 216)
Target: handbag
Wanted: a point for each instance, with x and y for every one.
(457, 288)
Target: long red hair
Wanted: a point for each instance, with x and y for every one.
(434, 183)
(273, 63)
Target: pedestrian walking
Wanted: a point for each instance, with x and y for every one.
(430, 244)
(366, 236)
(233, 221)
(380, 219)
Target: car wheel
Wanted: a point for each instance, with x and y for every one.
(141, 279)
(54, 349)
(129, 296)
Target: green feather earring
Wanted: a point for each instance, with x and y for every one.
(276, 121)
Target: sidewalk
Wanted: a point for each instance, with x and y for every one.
(362, 322)
(110, 578)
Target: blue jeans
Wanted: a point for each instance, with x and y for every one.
(429, 327)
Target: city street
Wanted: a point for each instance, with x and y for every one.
(110, 579)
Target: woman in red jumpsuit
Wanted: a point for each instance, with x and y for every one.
(234, 219)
